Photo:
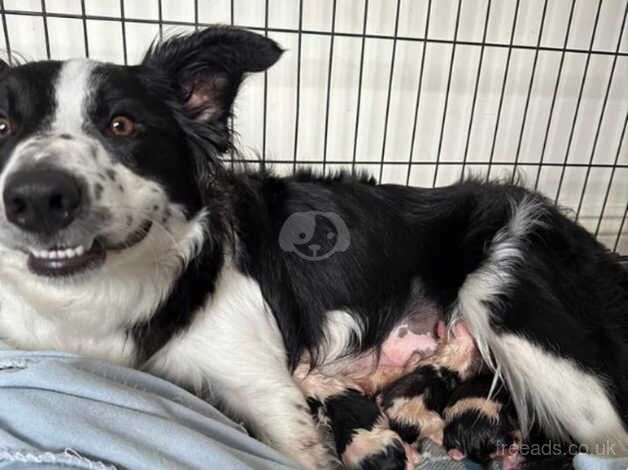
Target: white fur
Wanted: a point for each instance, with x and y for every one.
(73, 88)
(71, 92)
(554, 390)
(339, 329)
(234, 351)
(90, 315)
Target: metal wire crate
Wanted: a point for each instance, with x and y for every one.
(413, 91)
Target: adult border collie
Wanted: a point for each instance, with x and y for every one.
(123, 237)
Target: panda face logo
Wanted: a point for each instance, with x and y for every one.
(314, 235)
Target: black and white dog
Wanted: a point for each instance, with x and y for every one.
(124, 238)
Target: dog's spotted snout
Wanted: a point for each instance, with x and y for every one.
(42, 200)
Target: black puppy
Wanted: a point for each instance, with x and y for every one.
(479, 427)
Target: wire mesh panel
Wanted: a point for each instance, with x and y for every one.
(415, 92)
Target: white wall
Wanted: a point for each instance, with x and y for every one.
(26, 35)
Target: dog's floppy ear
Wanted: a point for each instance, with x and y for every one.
(208, 66)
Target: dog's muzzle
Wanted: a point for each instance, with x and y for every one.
(42, 201)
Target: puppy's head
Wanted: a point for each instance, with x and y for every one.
(103, 164)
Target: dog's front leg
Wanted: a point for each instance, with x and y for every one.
(275, 410)
(234, 349)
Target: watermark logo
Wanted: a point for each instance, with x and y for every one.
(314, 235)
(551, 448)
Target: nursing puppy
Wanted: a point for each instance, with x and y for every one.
(480, 427)
(415, 402)
(362, 437)
(123, 237)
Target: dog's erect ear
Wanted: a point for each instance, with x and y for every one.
(208, 66)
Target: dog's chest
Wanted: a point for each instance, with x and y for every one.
(24, 326)
(233, 339)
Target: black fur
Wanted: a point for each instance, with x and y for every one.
(190, 292)
(349, 412)
(35, 81)
(435, 384)
(477, 436)
(391, 458)
(475, 433)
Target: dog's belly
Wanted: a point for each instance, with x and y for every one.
(415, 337)
(416, 334)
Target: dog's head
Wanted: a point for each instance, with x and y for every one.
(102, 163)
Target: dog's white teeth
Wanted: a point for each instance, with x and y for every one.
(60, 254)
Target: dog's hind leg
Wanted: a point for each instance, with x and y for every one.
(538, 325)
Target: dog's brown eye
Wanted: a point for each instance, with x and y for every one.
(5, 127)
(122, 126)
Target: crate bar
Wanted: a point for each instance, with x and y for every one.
(475, 90)
(84, 21)
(322, 33)
(329, 76)
(44, 18)
(554, 95)
(389, 92)
(360, 76)
(196, 27)
(446, 162)
(529, 94)
(601, 118)
(160, 19)
(503, 90)
(611, 177)
(7, 42)
(231, 128)
(418, 92)
(621, 229)
(578, 101)
(446, 103)
(122, 23)
(265, 105)
(298, 91)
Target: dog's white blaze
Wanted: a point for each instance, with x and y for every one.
(71, 93)
(562, 397)
(234, 351)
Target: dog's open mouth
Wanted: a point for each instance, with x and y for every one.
(67, 261)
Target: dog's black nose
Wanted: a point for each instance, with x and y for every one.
(42, 200)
